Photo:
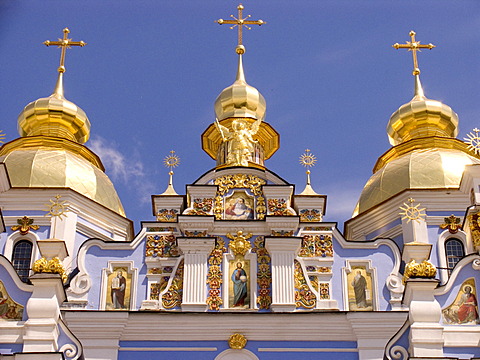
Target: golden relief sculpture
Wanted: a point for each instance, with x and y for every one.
(25, 224)
(54, 266)
(423, 270)
(240, 141)
(173, 297)
(215, 275)
(239, 244)
(452, 223)
(264, 274)
(237, 341)
(475, 228)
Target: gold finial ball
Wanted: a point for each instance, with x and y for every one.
(240, 49)
(416, 71)
(260, 22)
(220, 21)
(66, 30)
(412, 33)
(240, 7)
(61, 69)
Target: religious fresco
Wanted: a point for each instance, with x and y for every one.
(239, 206)
(360, 293)
(239, 289)
(464, 309)
(119, 289)
(9, 309)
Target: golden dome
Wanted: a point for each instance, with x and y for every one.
(240, 99)
(421, 117)
(49, 162)
(54, 116)
(430, 168)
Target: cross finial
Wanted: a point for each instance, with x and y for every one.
(240, 22)
(65, 44)
(414, 46)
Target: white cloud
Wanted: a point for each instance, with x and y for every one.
(126, 171)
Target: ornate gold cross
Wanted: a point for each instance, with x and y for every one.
(414, 46)
(65, 44)
(240, 22)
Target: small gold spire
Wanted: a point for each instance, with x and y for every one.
(64, 44)
(308, 160)
(413, 46)
(171, 161)
(2, 136)
(240, 22)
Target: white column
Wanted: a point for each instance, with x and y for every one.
(282, 254)
(426, 333)
(196, 252)
(43, 310)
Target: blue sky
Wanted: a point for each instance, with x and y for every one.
(152, 69)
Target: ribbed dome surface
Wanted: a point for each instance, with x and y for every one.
(419, 169)
(49, 168)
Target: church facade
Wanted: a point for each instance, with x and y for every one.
(241, 266)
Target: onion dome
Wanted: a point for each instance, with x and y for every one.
(50, 154)
(425, 153)
(421, 117)
(240, 99)
(54, 116)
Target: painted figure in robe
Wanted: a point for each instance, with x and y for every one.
(118, 291)
(359, 284)
(239, 278)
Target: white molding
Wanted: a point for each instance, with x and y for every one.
(474, 259)
(236, 354)
(442, 254)
(7, 265)
(16, 237)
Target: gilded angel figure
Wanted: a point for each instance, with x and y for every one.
(240, 141)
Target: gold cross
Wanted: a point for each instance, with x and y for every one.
(65, 44)
(240, 21)
(414, 46)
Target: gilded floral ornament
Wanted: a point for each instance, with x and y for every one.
(53, 266)
(423, 270)
(475, 228)
(279, 207)
(316, 246)
(240, 244)
(201, 207)
(237, 341)
(161, 246)
(214, 276)
(310, 215)
(173, 297)
(25, 224)
(452, 223)
(473, 141)
(264, 275)
(167, 215)
(412, 212)
(304, 296)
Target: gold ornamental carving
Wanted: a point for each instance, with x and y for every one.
(53, 266)
(25, 224)
(251, 182)
(475, 228)
(264, 273)
(237, 341)
(473, 141)
(452, 223)
(240, 244)
(425, 269)
(304, 296)
(215, 275)
(173, 297)
(412, 212)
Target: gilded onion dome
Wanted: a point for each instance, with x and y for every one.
(425, 153)
(50, 152)
(240, 99)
